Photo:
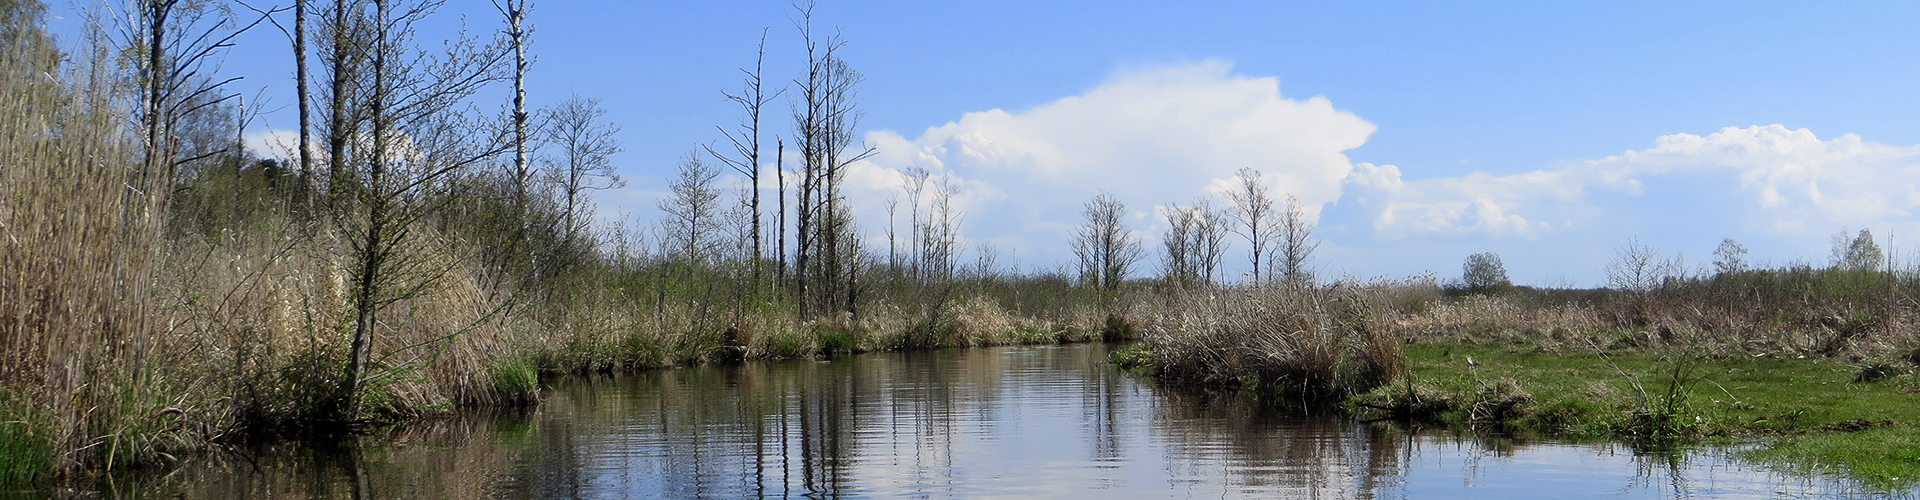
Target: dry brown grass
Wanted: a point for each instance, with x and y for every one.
(122, 347)
(1481, 318)
(1697, 323)
(77, 262)
(1310, 341)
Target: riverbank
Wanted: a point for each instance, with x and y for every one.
(1824, 383)
(1021, 421)
(501, 359)
(1812, 415)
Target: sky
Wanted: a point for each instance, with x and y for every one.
(1415, 133)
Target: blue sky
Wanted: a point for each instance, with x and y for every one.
(1419, 132)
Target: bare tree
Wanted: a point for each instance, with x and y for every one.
(939, 235)
(1213, 228)
(302, 97)
(416, 137)
(1729, 257)
(344, 49)
(1294, 240)
(692, 209)
(176, 40)
(1639, 268)
(1179, 264)
(746, 143)
(1194, 242)
(1106, 248)
(1253, 209)
(780, 221)
(916, 186)
(587, 144)
(824, 120)
(300, 89)
(515, 12)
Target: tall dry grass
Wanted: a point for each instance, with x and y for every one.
(1309, 341)
(124, 341)
(77, 261)
(1795, 313)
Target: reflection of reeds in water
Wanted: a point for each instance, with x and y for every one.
(873, 425)
(1272, 451)
(450, 458)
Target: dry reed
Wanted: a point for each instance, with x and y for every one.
(1310, 341)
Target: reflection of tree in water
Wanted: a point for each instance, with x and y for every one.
(1267, 450)
(760, 429)
(879, 425)
(448, 458)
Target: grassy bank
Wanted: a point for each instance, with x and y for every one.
(1818, 366)
(1812, 414)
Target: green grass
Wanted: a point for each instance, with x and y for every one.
(516, 380)
(25, 458)
(1885, 458)
(1811, 413)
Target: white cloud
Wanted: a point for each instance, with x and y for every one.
(1802, 185)
(276, 144)
(1150, 136)
(1475, 203)
(1788, 182)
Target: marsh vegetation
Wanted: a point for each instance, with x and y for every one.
(163, 289)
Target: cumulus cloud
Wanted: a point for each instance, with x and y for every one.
(1152, 135)
(1786, 181)
(1475, 203)
(1801, 183)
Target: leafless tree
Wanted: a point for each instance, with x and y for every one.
(303, 98)
(939, 235)
(1639, 268)
(1106, 248)
(344, 50)
(1213, 229)
(515, 13)
(824, 120)
(1729, 257)
(933, 227)
(1253, 209)
(1178, 263)
(1293, 239)
(416, 136)
(745, 158)
(916, 185)
(780, 220)
(176, 42)
(1193, 244)
(583, 163)
(693, 208)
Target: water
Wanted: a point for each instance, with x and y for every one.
(1018, 422)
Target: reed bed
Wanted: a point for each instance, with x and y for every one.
(1306, 341)
(1790, 313)
(80, 371)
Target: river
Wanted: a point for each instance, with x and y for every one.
(1009, 422)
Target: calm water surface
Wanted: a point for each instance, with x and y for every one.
(1018, 422)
